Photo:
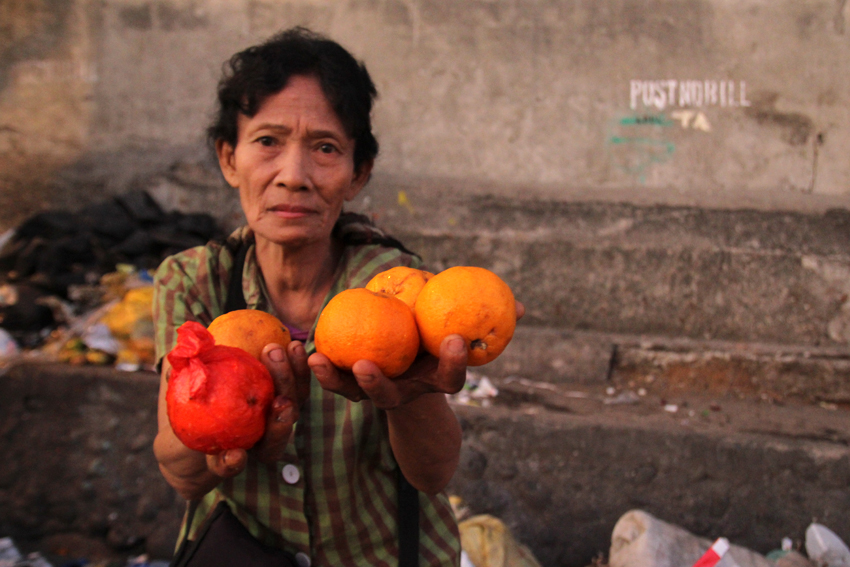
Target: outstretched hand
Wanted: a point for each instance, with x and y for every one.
(291, 375)
(428, 374)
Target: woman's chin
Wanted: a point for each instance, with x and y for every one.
(292, 237)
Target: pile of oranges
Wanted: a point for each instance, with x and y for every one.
(403, 311)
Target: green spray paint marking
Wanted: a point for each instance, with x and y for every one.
(646, 119)
(669, 146)
(649, 158)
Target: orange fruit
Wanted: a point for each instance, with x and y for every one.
(249, 329)
(472, 302)
(218, 396)
(359, 324)
(401, 282)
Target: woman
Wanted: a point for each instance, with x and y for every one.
(293, 135)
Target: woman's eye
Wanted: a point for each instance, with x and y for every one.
(266, 141)
(327, 148)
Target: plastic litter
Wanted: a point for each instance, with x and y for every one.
(642, 540)
(117, 327)
(99, 337)
(478, 390)
(825, 548)
(714, 554)
(144, 561)
(8, 346)
(627, 397)
(11, 557)
(487, 542)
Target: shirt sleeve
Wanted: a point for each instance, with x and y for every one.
(187, 287)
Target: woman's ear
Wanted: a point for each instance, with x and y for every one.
(227, 162)
(360, 179)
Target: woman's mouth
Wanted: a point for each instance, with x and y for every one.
(291, 211)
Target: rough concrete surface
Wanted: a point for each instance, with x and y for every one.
(560, 467)
(559, 463)
(707, 274)
(78, 473)
(706, 101)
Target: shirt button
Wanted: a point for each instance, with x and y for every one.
(302, 559)
(291, 475)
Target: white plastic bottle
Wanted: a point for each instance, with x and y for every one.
(825, 548)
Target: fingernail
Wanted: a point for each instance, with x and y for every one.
(320, 370)
(298, 348)
(284, 416)
(276, 355)
(368, 379)
(280, 402)
(456, 346)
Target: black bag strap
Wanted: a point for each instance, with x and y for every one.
(186, 549)
(408, 523)
(408, 496)
(235, 296)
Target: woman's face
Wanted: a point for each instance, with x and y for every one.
(293, 165)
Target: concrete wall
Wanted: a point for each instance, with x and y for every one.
(701, 102)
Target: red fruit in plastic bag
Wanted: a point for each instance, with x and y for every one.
(218, 396)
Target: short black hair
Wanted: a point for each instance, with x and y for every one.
(258, 72)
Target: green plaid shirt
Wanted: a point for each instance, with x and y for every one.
(341, 509)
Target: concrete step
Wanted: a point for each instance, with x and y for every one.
(734, 275)
(667, 366)
(558, 462)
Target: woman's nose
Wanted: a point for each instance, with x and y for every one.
(293, 168)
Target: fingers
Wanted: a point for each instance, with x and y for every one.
(227, 463)
(282, 417)
(383, 392)
(278, 364)
(332, 380)
(520, 310)
(300, 369)
(451, 370)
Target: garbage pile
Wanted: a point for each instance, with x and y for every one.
(642, 540)
(75, 286)
(639, 539)
(10, 556)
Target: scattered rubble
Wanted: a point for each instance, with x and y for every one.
(75, 286)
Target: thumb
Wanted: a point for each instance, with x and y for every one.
(227, 463)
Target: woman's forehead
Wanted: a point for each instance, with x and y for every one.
(301, 100)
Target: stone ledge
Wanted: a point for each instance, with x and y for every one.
(671, 366)
(557, 462)
(78, 462)
(561, 479)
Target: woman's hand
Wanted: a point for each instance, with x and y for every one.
(428, 374)
(291, 375)
(193, 474)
